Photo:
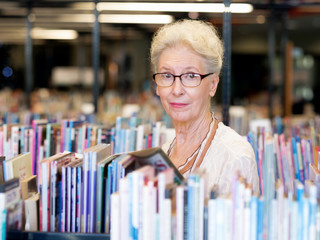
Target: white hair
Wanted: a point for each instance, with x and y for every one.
(200, 36)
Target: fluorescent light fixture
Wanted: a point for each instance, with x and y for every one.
(40, 33)
(135, 18)
(108, 18)
(173, 7)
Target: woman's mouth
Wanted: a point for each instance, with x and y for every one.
(178, 105)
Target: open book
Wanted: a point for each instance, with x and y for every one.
(158, 159)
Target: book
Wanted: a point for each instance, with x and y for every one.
(102, 151)
(36, 141)
(2, 169)
(158, 159)
(15, 216)
(19, 167)
(56, 189)
(9, 193)
(101, 193)
(31, 206)
(29, 187)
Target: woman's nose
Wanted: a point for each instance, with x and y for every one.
(177, 87)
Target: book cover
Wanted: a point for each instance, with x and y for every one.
(9, 193)
(29, 187)
(19, 166)
(100, 190)
(2, 169)
(97, 156)
(31, 206)
(35, 147)
(86, 187)
(56, 189)
(158, 159)
(124, 209)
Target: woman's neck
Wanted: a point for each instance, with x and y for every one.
(194, 131)
(189, 137)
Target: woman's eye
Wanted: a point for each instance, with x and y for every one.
(191, 75)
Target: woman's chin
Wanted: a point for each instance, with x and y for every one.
(180, 117)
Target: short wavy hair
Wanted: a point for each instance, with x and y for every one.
(201, 36)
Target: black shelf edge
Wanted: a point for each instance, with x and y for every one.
(17, 235)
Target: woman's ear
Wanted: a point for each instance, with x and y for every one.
(214, 84)
(157, 90)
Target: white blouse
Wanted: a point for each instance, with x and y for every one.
(229, 153)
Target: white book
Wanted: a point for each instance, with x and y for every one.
(273, 221)
(115, 217)
(247, 214)
(279, 194)
(156, 134)
(239, 207)
(228, 219)
(44, 196)
(138, 178)
(139, 138)
(31, 212)
(285, 220)
(313, 211)
(127, 140)
(167, 218)
(201, 206)
(212, 219)
(220, 218)
(165, 177)
(149, 211)
(15, 140)
(124, 207)
(84, 209)
(293, 220)
(305, 220)
(179, 212)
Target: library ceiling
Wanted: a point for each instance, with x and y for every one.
(117, 21)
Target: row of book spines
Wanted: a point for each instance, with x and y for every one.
(219, 217)
(183, 212)
(293, 156)
(74, 136)
(87, 203)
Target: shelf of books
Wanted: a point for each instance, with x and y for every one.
(74, 180)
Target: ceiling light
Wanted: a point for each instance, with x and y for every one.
(40, 33)
(135, 18)
(173, 7)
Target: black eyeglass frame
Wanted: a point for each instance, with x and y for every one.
(202, 76)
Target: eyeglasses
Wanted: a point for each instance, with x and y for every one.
(187, 79)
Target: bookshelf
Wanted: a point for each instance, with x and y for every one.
(17, 235)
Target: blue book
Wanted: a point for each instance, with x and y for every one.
(254, 217)
(89, 128)
(59, 203)
(260, 223)
(295, 158)
(300, 196)
(205, 223)
(118, 135)
(79, 199)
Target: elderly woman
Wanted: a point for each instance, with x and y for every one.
(187, 59)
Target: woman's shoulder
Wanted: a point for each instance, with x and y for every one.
(231, 141)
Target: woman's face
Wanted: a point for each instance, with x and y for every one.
(185, 103)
